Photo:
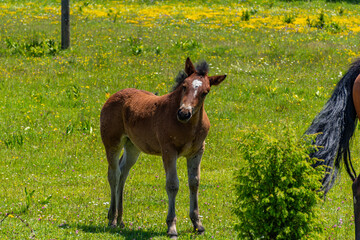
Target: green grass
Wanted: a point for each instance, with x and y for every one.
(50, 105)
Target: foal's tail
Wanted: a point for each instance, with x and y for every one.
(336, 124)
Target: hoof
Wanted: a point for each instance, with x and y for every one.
(121, 225)
(200, 230)
(172, 234)
(115, 225)
(112, 225)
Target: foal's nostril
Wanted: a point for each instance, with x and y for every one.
(187, 115)
(183, 115)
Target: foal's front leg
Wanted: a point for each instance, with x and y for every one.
(193, 166)
(172, 187)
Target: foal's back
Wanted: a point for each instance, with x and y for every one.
(130, 113)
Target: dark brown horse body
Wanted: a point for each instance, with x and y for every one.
(356, 182)
(172, 125)
(335, 126)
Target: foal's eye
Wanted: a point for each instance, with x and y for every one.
(184, 88)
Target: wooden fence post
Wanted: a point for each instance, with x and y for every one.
(65, 24)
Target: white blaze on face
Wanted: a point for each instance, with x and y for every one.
(183, 106)
(196, 84)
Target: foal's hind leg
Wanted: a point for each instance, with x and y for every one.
(112, 154)
(129, 158)
(193, 166)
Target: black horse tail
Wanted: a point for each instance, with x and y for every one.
(335, 125)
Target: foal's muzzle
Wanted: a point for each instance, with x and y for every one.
(184, 114)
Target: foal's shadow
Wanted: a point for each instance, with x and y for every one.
(128, 234)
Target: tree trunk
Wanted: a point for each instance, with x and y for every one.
(65, 24)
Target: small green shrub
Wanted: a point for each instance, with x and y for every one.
(277, 188)
(13, 140)
(341, 11)
(33, 47)
(136, 45)
(245, 16)
(187, 45)
(321, 23)
(288, 18)
(29, 200)
(334, 27)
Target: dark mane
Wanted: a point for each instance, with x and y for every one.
(202, 68)
(179, 79)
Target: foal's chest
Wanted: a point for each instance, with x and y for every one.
(188, 142)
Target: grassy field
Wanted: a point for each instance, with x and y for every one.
(282, 60)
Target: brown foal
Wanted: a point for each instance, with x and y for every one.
(172, 126)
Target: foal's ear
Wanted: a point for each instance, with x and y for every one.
(189, 67)
(216, 80)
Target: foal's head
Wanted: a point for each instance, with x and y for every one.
(195, 86)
